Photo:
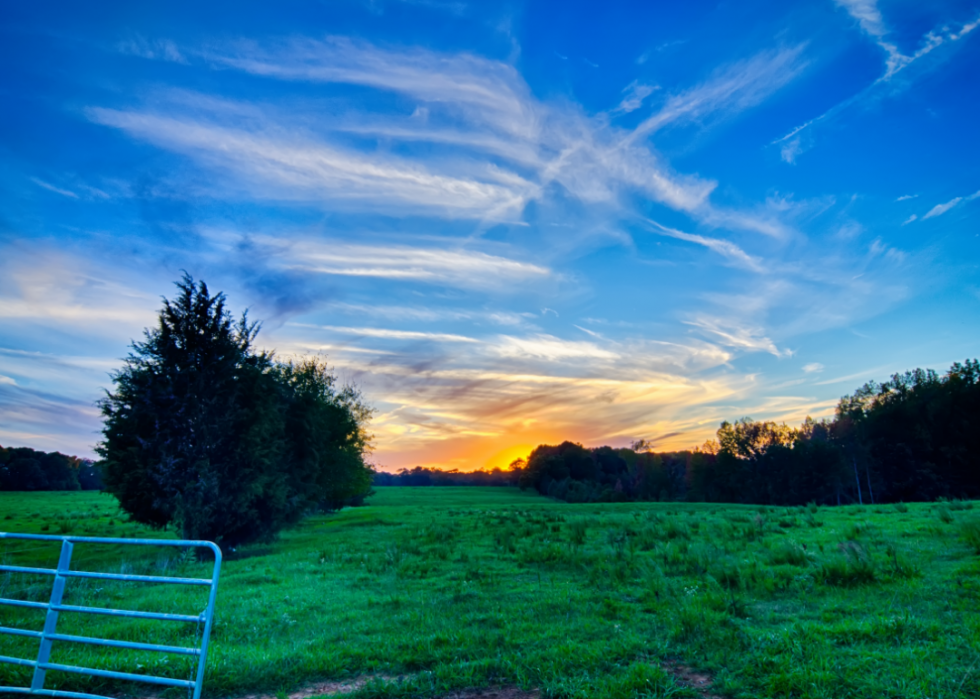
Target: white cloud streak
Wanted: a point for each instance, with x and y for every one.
(870, 20)
(485, 91)
(940, 209)
(448, 265)
(505, 148)
(445, 398)
(725, 248)
(389, 334)
(52, 188)
(431, 315)
(735, 88)
(550, 348)
(40, 285)
(159, 49)
(315, 169)
(732, 334)
(790, 150)
(635, 93)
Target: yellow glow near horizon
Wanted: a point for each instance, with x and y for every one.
(503, 458)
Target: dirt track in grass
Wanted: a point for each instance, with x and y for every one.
(341, 688)
(684, 675)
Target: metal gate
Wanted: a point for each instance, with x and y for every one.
(49, 634)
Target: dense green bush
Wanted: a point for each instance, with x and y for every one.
(224, 442)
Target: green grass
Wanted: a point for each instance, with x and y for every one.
(430, 590)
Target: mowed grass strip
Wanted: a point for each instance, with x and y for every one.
(433, 590)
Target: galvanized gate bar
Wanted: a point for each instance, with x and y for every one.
(51, 693)
(54, 606)
(160, 616)
(107, 576)
(112, 674)
(179, 650)
(20, 632)
(15, 661)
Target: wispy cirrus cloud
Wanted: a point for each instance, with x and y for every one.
(461, 267)
(485, 91)
(869, 18)
(451, 263)
(503, 148)
(154, 49)
(40, 284)
(48, 421)
(443, 401)
(940, 209)
(430, 314)
(66, 418)
(725, 248)
(389, 334)
(730, 333)
(550, 348)
(304, 169)
(634, 94)
(733, 88)
(463, 138)
(51, 188)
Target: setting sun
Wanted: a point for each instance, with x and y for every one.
(502, 459)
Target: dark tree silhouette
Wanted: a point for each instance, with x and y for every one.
(223, 442)
(910, 438)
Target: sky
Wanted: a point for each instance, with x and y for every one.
(507, 223)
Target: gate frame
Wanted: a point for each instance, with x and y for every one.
(49, 634)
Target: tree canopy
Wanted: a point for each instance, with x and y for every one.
(224, 442)
(23, 468)
(910, 438)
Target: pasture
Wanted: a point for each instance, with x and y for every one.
(426, 591)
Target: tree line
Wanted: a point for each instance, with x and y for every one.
(22, 468)
(910, 438)
(422, 476)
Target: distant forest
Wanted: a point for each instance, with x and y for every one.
(907, 439)
(22, 468)
(434, 476)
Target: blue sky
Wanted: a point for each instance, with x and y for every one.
(508, 223)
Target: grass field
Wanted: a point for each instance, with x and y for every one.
(429, 590)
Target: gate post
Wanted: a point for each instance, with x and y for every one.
(51, 620)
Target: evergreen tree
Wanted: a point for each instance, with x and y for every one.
(204, 433)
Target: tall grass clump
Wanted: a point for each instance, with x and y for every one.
(854, 567)
(970, 533)
(790, 553)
